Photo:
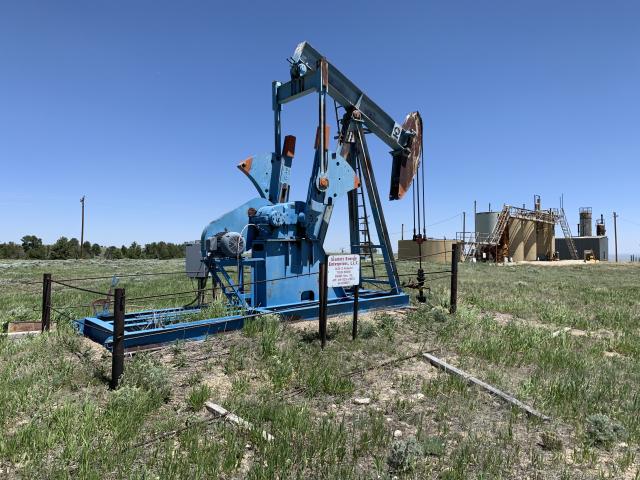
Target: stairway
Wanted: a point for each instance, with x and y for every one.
(566, 230)
(470, 248)
(501, 224)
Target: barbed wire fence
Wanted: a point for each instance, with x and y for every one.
(116, 301)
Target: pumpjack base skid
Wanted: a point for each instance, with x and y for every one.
(144, 328)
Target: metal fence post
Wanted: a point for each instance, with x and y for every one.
(453, 304)
(356, 295)
(322, 307)
(46, 302)
(117, 353)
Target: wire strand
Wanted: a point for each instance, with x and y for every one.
(82, 289)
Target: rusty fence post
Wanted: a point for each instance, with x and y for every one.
(117, 352)
(322, 306)
(455, 256)
(46, 302)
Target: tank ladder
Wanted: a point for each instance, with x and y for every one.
(501, 224)
(364, 234)
(364, 245)
(566, 230)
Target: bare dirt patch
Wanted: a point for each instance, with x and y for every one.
(507, 318)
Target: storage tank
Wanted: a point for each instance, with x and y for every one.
(522, 240)
(434, 249)
(485, 223)
(601, 231)
(585, 222)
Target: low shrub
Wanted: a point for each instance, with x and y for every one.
(144, 372)
(403, 455)
(602, 431)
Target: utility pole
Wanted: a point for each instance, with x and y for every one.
(82, 228)
(402, 233)
(615, 233)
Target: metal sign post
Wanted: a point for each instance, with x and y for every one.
(344, 271)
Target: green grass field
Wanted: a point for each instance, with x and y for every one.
(565, 340)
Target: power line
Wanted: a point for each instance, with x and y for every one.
(637, 224)
(445, 220)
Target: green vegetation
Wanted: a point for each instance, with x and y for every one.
(602, 431)
(197, 396)
(32, 247)
(563, 339)
(404, 455)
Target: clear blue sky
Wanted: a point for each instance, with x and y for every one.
(147, 106)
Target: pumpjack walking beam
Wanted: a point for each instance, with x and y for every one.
(307, 59)
(307, 76)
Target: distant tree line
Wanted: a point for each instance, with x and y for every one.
(65, 248)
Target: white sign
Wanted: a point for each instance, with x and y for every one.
(343, 270)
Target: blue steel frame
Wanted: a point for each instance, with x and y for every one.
(100, 329)
(286, 238)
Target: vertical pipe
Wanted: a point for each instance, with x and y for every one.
(117, 353)
(420, 276)
(464, 226)
(46, 302)
(402, 233)
(615, 233)
(418, 203)
(322, 307)
(322, 115)
(453, 304)
(277, 109)
(202, 283)
(356, 301)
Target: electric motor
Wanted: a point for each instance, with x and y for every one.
(226, 244)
